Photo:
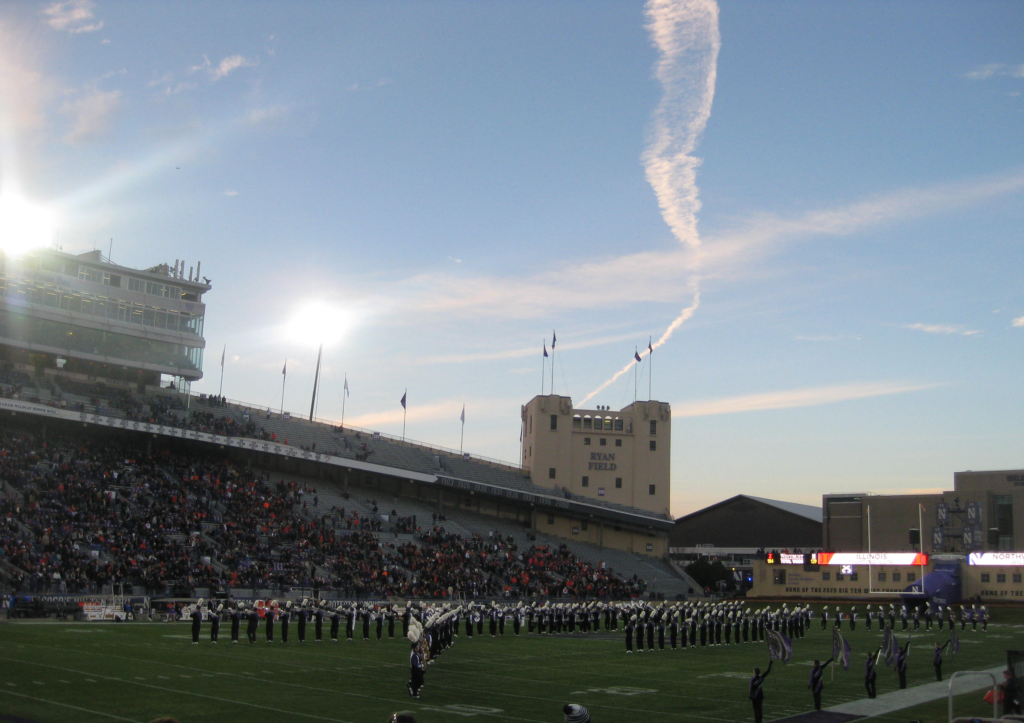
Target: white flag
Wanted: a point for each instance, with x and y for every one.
(463, 417)
(347, 394)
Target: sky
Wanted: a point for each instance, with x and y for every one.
(813, 212)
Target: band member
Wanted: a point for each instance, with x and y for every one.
(756, 693)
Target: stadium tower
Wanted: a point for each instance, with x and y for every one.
(84, 317)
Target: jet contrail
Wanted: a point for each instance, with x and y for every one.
(687, 37)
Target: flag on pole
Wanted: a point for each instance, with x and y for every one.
(779, 646)
(889, 646)
(222, 354)
(954, 642)
(650, 346)
(636, 355)
(545, 349)
(346, 387)
(403, 400)
(840, 649)
(553, 339)
(463, 417)
(284, 372)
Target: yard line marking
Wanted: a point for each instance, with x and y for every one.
(193, 694)
(66, 705)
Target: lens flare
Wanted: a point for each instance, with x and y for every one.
(24, 225)
(316, 322)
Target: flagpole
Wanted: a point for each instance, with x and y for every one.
(344, 392)
(405, 409)
(650, 368)
(316, 381)
(635, 365)
(462, 437)
(220, 391)
(542, 367)
(553, 340)
(284, 379)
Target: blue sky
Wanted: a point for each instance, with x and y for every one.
(816, 206)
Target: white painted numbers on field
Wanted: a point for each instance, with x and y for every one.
(466, 711)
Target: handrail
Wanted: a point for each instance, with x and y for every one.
(334, 423)
(995, 702)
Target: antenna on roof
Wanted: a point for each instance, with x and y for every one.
(110, 250)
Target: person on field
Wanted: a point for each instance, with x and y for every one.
(816, 684)
(197, 621)
(756, 692)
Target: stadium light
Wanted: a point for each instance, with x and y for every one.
(24, 225)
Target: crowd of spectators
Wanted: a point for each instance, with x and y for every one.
(77, 515)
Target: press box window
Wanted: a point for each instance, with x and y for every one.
(1016, 577)
(853, 576)
(826, 576)
(654, 427)
(604, 442)
(650, 489)
(779, 576)
(985, 577)
(618, 442)
(586, 481)
(1000, 577)
(881, 577)
(554, 421)
(618, 483)
(654, 445)
(840, 577)
(911, 577)
(551, 473)
(586, 440)
(897, 576)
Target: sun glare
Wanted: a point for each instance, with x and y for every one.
(24, 225)
(317, 322)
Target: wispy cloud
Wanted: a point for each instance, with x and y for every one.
(826, 337)
(1019, 321)
(942, 329)
(73, 16)
(230, 193)
(984, 72)
(793, 398)
(92, 114)
(259, 116)
(230, 64)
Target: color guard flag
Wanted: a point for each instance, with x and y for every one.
(954, 642)
(840, 649)
(403, 400)
(779, 646)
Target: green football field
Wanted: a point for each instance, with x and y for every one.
(84, 672)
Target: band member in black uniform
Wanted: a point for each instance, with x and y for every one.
(406, 614)
(824, 617)
(492, 624)
(693, 632)
(901, 664)
(236, 621)
(479, 623)
(469, 624)
(869, 673)
(335, 624)
(937, 659)
(703, 632)
(650, 633)
(673, 630)
(629, 635)
(300, 618)
(815, 684)
(268, 619)
(416, 669)
(197, 621)
(756, 693)
(380, 623)
(318, 622)
(367, 614)
(350, 623)
(517, 620)
(639, 634)
(286, 616)
(661, 633)
(252, 624)
(215, 623)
